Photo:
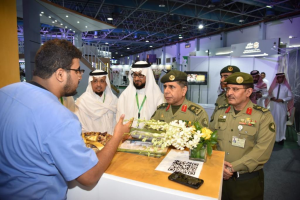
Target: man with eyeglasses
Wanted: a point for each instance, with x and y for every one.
(177, 106)
(41, 147)
(141, 97)
(246, 132)
(96, 108)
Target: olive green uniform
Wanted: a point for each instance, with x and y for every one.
(221, 100)
(188, 111)
(254, 124)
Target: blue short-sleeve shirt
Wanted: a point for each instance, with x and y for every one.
(40, 144)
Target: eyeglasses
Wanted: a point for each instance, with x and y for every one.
(81, 71)
(234, 89)
(134, 75)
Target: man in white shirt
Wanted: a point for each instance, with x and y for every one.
(97, 107)
(263, 77)
(281, 102)
(142, 96)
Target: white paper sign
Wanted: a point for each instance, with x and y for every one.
(177, 160)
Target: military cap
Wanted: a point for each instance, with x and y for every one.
(239, 78)
(230, 69)
(174, 75)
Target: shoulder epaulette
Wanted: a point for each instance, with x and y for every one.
(223, 106)
(163, 105)
(262, 109)
(195, 109)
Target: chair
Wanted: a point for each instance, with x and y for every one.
(291, 132)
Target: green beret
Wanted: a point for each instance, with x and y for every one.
(174, 75)
(239, 78)
(230, 69)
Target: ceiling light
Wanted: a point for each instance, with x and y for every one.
(74, 31)
(128, 48)
(121, 54)
(269, 6)
(55, 20)
(66, 27)
(70, 29)
(67, 16)
(147, 40)
(290, 36)
(78, 22)
(61, 24)
(85, 26)
(95, 36)
(200, 26)
(241, 20)
(116, 52)
(106, 42)
(180, 37)
(206, 51)
(41, 15)
(42, 12)
(110, 18)
(150, 46)
(161, 5)
(52, 21)
(49, 17)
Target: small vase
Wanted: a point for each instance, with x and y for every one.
(199, 153)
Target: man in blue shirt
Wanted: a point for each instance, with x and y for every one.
(40, 140)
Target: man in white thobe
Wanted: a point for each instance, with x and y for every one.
(97, 107)
(260, 91)
(142, 96)
(281, 101)
(263, 76)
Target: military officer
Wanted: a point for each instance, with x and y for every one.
(224, 73)
(246, 132)
(177, 106)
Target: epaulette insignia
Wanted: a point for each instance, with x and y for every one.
(163, 105)
(223, 106)
(194, 109)
(256, 107)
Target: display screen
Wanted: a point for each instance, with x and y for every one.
(196, 78)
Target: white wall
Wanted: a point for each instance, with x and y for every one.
(186, 51)
(243, 35)
(283, 29)
(170, 52)
(212, 42)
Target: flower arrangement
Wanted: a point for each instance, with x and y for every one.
(178, 133)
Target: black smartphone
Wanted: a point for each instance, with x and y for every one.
(186, 180)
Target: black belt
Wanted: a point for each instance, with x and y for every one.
(245, 176)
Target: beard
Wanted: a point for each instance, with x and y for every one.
(99, 93)
(138, 87)
(255, 81)
(68, 88)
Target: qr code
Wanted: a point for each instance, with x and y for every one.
(184, 167)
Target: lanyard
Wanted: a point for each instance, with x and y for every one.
(104, 98)
(62, 100)
(137, 102)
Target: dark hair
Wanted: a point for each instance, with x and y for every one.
(182, 83)
(263, 73)
(53, 55)
(250, 85)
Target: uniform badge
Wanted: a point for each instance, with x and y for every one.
(204, 122)
(240, 127)
(249, 111)
(168, 107)
(272, 127)
(183, 108)
(172, 77)
(230, 68)
(222, 118)
(239, 79)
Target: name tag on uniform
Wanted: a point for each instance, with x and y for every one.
(238, 142)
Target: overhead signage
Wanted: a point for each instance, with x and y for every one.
(252, 48)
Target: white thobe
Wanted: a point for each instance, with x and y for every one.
(279, 110)
(264, 92)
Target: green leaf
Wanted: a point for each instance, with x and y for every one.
(213, 142)
(209, 149)
(197, 126)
